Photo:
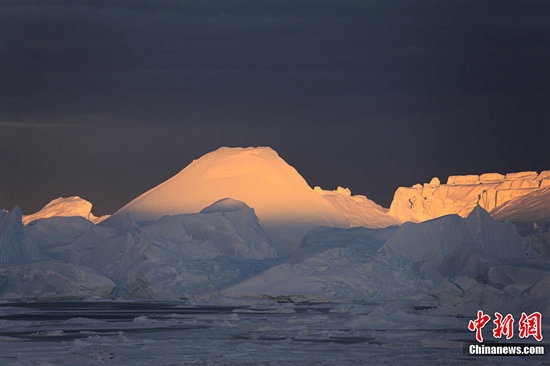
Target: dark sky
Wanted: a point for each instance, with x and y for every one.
(108, 99)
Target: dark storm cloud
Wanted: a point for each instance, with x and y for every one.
(365, 94)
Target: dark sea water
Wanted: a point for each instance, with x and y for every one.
(175, 333)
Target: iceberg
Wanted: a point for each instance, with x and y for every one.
(462, 194)
(15, 246)
(65, 207)
(286, 206)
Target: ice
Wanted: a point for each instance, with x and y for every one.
(223, 255)
(521, 175)
(450, 264)
(533, 207)
(463, 179)
(357, 209)
(66, 207)
(344, 267)
(56, 231)
(451, 246)
(292, 285)
(313, 335)
(225, 205)
(364, 238)
(462, 194)
(541, 287)
(380, 319)
(15, 246)
(519, 272)
(491, 177)
(177, 256)
(499, 239)
(285, 204)
(252, 240)
(51, 280)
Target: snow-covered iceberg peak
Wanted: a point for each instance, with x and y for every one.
(66, 207)
(285, 204)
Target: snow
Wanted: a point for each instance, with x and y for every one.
(168, 333)
(421, 262)
(533, 207)
(462, 193)
(285, 204)
(434, 182)
(177, 256)
(541, 287)
(224, 256)
(435, 239)
(15, 246)
(358, 209)
(225, 205)
(463, 179)
(522, 175)
(491, 177)
(476, 247)
(524, 272)
(173, 257)
(69, 206)
(56, 231)
(238, 254)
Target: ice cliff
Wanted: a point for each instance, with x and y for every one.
(462, 193)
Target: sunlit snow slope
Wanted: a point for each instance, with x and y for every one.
(66, 207)
(533, 207)
(285, 204)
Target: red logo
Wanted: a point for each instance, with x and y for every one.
(503, 326)
(478, 324)
(529, 325)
